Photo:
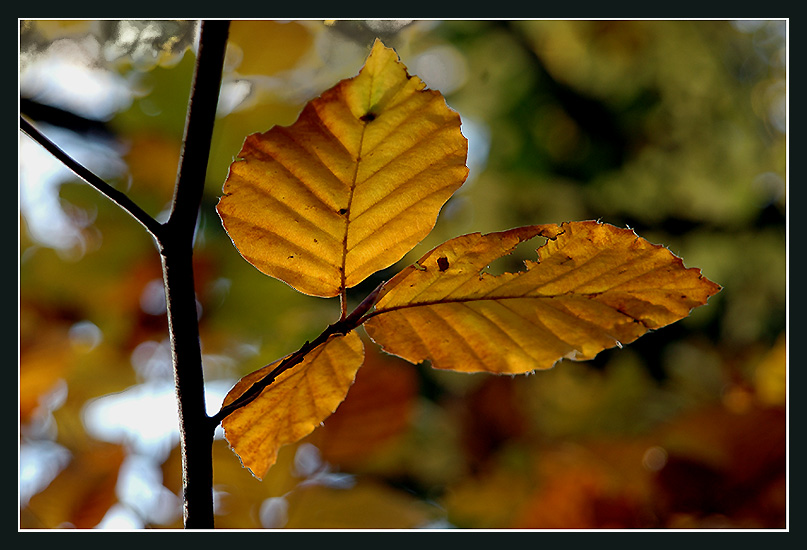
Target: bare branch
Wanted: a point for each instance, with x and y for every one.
(199, 127)
(196, 434)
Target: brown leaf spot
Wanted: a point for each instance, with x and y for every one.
(442, 263)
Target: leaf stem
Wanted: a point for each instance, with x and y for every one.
(255, 390)
(343, 302)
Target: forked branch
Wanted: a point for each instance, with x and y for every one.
(175, 241)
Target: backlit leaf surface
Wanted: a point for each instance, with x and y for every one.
(294, 404)
(595, 286)
(352, 186)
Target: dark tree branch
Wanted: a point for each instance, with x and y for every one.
(199, 126)
(176, 247)
(175, 242)
(118, 197)
(55, 116)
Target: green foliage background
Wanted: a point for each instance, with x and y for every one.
(673, 128)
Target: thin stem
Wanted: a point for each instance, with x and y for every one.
(343, 326)
(290, 361)
(343, 303)
(118, 197)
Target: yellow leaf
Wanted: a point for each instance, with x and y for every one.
(595, 286)
(298, 401)
(352, 186)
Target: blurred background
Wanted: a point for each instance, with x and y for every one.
(674, 128)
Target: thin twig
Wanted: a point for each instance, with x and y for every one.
(343, 326)
(118, 197)
(255, 389)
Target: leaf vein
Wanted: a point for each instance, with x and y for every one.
(413, 227)
(287, 164)
(450, 328)
(294, 245)
(414, 144)
(400, 191)
(497, 327)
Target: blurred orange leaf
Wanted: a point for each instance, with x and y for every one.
(770, 376)
(378, 408)
(352, 186)
(82, 493)
(294, 404)
(595, 486)
(367, 505)
(595, 286)
(152, 159)
(287, 40)
(41, 368)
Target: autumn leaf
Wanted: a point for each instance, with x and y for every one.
(352, 186)
(595, 286)
(294, 404)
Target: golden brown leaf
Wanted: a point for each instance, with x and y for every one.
(352, 186)
(595, 286)
(294, 404)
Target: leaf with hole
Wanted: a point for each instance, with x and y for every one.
(594, 287)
